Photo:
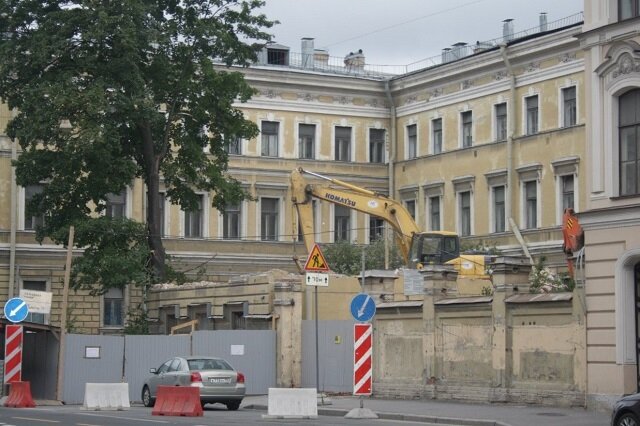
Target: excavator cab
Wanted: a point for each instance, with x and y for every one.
(433, 248)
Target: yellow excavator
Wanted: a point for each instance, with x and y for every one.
(418, 248)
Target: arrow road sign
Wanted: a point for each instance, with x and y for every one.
(363, 307)
(16, 309)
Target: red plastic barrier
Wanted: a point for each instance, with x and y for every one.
(177, 401)
(20, 395)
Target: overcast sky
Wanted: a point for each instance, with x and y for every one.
(401, 32)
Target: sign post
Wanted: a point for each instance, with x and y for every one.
(317, 263)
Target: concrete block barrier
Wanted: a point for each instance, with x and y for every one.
(106, 396)
(292, 403)
(20, 395)
(177, 401)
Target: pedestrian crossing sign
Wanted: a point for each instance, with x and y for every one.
(316, 261)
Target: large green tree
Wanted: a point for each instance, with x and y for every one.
(109, 91)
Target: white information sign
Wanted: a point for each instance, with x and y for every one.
(39, 302)
(317, 279)
(237, 349)
(413, 282)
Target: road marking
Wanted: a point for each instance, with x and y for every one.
(86, 424)
(123, 418)
(36, 420)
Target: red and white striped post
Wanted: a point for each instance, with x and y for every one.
(13, 353)
(362, 351)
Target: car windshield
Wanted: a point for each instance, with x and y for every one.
(208, 364)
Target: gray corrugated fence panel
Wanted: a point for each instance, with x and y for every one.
(40, 363)
(145, 352)
(335, 348)
(80, 370)
(257, 362)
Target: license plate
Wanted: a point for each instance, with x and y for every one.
(219, 380)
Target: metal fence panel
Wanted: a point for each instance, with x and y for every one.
(40, 364)
(78, 369)
(252, 352)
(145, 352)
(335, 350)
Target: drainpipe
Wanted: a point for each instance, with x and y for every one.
(392, 159)
(511, 124)
(14, 208)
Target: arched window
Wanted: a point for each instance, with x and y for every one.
(629, 131)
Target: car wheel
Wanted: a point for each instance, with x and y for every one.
(627, 419)
(146, 397)
(233, 405)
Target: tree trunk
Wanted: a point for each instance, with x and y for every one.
(154, 226)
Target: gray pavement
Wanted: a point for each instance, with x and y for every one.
(455, 413)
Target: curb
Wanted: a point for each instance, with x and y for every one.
(338, 412)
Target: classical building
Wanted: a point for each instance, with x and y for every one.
(611, 43)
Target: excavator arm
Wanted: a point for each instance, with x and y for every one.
(353, 197)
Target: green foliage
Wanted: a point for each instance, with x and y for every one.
(542, 280)
(344, 257)
(137, 321)
(478, 248)
(138, 83)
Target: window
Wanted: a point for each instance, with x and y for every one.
(629, 129)
(628, 9)
(410, 205)
(269, 217)
(193, 221)
(567, 192)
(569, 111)
(306, 141)
(233, 145)
(376, 145)
(467, 129)
(113, 302)
(531, 104)
(38, 285)
(531, 204)
(31, 222)
(434, 213)
(436, 135)
(464, 199)
(501, 121)
(162, 200)
(498, 194)
(231, 222)
(342, 229)
(343, 143)
(270, 131)
(376, 228)
(277, 57)
(412, 141)
(115, 206)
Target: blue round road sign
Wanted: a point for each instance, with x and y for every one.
(363, 307)
(16, 310)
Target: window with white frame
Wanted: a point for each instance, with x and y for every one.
(498, 194)
(270, 134)
(376, 228)
(162, 200)
(436, 136)
(31, 220)
(464, 213)
(530, 196)
(306, 141)
(501, 121)
(412, 141)
(434, 213)
(113, 308)
(466, 128)
(232, 222)
(628, 9)
(629, 134)
(566, 173)
(376, 145)
(566, 183)
(233, 145)
(569, 107)
(269, 218)
(532, 111)
(116, 205)
(410, 205)
(342, 143)
(193, 220)
(37, 285)
(342, 223)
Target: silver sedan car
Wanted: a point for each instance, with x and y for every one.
(217, 380)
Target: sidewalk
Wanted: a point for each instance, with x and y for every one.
(455, 413)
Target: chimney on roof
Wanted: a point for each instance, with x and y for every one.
(354, 61)
(321, 57)
(507, 29)
(543, 22)
(307, 52)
